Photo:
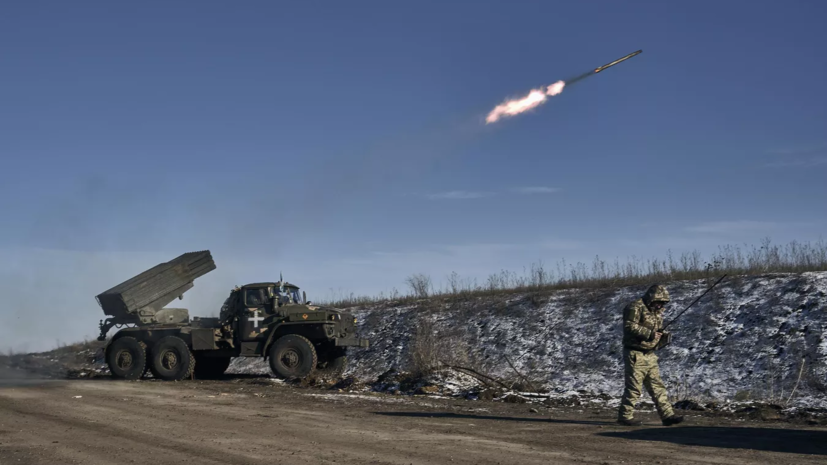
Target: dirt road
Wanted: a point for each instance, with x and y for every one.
(245, 421)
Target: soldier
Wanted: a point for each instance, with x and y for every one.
(642, 335)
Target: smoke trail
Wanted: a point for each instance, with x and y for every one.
(579, 78)
(516, 106)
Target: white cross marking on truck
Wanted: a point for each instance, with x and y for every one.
(255, 319)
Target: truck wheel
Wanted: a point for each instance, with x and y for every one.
(126, 358)
(210, 367)
(171, 359)
(334, 363)
(292, 356)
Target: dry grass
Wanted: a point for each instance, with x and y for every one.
(794, 257)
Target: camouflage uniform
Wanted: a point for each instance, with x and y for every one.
(640, 323)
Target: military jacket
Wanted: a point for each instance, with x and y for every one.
(640, 325)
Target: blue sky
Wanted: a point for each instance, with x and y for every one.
(344, 146)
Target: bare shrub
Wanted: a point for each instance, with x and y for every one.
(538, 277)
(453, 283)
(424, 352)
(432, 348)
(420, 285)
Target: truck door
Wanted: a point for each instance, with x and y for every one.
(256, 314)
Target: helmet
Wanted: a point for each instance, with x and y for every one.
(656, 293)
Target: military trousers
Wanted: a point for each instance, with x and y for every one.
(641, 369)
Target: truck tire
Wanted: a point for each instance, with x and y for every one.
(171, 359)
(333, 365)
(210, 367)
(293, 357)
(126, 357)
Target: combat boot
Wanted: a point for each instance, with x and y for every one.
(631, 422)
(673, 420)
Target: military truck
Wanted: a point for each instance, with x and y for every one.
(266, 319)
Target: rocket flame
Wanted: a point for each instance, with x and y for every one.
(532, 100)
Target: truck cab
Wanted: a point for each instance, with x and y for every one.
(263, 315)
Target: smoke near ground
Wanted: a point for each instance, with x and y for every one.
(10, 377)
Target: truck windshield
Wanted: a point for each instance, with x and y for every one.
(291, 292)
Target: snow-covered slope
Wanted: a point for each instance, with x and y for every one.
(746, 338)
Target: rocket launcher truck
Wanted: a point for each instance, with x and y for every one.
(268, 319)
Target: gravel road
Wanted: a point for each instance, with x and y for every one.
(256, 420)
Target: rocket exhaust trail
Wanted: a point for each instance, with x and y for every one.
(539, 96)
(579, 78)
(516, 106)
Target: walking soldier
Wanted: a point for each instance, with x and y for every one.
(642, 335)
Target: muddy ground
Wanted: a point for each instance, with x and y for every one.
(245, 420)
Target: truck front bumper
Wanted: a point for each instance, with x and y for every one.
(351, 342)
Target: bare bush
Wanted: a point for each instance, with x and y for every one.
(420, 285)
(453, 283)
(433, 348)
(424, 352)
(538, 277)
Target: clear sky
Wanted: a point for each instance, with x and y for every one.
(343, 143)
